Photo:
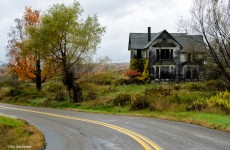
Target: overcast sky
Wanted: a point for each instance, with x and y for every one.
(119, 16)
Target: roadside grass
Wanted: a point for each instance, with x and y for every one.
(198, 103)
(16, 134)
(210, 120)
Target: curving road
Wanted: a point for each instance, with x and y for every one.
(85, 131)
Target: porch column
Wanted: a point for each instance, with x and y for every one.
(159, 72)
(185, 70)
(192, 69)
(160, 54)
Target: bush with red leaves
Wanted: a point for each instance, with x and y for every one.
(132, 74)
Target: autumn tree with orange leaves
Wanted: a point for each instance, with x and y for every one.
(26, 58)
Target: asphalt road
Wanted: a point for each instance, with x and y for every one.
(71, 130)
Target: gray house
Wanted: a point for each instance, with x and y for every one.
(172, 56)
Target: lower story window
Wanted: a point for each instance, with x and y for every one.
(165, 72)
(191, 73)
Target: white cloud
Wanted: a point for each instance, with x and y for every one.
(119, 16)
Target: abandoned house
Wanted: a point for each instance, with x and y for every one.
(172, 56)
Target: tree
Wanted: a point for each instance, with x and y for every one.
(71, 41)
(24, 59)
(211, 18)
(137, 64)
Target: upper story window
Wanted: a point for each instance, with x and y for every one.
(191, 57)
(164, 54)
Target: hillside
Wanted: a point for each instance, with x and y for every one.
(111, 67)
(3, 71)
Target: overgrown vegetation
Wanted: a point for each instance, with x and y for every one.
(139, 72)
(17, 134)
(113, 92)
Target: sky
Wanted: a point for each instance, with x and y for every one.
(120, 17)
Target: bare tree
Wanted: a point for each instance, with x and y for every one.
(211, 18)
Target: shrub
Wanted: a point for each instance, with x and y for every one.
(132, 74)
(177, 87)
(214, 85)
(145, 74)
(30, 92)
(222, 100)
(198, 105)
(136, 81)
(122, 100)
(60, 96)
(185, 97)
(90, 95)
(158, 91)
(110, 89)
(140, 102)
(137, 64)
(39, 101)
(195, 86)
(54, 87)
(14, 91)
(160, 104)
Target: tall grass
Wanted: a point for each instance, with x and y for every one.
(113, 92)
(16, 133)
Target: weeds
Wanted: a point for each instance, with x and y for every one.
(222, 100)
(122, 99)
(18, 132)
(112, 91)
(140, 102)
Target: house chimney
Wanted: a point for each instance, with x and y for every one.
(149, 34)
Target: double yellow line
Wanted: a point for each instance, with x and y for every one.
(146, 143)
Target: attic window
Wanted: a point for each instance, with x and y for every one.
(164, 40)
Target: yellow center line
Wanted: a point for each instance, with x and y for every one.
(146, 143)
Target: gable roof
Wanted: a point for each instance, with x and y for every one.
(140, 40)
(157, 35)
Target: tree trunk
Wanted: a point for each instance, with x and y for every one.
(77, 93)
(38, 76)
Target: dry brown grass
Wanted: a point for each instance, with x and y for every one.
(20, 135)
(36, 138)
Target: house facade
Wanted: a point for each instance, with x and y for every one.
(172, 56)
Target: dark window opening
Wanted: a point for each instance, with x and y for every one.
(157, 72)
(165, 54)
(138, 53)
(165, 74)
(158, 54)
(189, 57)
(195, 74)
(172, 74)
(188, 74)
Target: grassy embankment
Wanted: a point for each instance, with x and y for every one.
(18, 134)
(200, 103)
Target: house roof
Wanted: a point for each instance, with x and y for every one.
(157, 36)
(140, 40)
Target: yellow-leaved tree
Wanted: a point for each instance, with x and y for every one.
(25, 59)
